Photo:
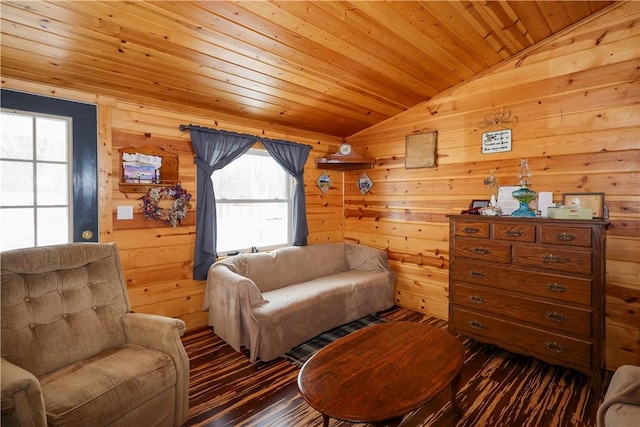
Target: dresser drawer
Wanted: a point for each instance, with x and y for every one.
(569, 236)
(562, 319)
(515, 232)
(560, 259)
(472, 229)
(480, 249)
(547, 346)
(553, 286)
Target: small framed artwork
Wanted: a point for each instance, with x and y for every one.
(324, 182)
(593, 201)
(364, 183)
(420, 150)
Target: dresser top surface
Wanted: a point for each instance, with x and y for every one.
(536, 220)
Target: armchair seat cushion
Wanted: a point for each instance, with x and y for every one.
(107, 385)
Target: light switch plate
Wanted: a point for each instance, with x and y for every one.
(124, 212)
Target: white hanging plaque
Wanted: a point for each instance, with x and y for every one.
(496, 142)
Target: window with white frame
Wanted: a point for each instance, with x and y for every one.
(35, 207)
(253, 204)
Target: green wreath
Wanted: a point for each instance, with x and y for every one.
(172, 215)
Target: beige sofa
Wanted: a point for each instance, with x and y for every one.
(74, 354)
(272, 302)
(621, 404)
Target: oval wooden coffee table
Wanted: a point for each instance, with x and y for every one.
(382, 372)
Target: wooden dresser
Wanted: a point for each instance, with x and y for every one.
(533, 286)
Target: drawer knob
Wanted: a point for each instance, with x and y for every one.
(556, 287)
(480, 251)
(476, 274)
(470, 230)
(565, 237)
(555, 317)
(551, 259)
(555, 347)
(513, 233)
(476, 299)
(476, 325)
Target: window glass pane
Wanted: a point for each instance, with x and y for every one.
(252, 176)
(17, 137)
(30, 180)
(243, 225)
(51, 139)
(52, 184)
(253, 204)
(17, 228)
(17, 183)
(53, 226)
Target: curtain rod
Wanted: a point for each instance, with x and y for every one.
(183, 128)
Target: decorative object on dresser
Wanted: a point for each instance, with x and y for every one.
(524, 194)
(491, 182)
(533, 286)
(593, 201)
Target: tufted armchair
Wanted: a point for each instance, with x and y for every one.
(74, 354)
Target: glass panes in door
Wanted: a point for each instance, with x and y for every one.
(34, 172)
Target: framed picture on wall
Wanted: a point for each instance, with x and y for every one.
(593, 201)
(420, 150)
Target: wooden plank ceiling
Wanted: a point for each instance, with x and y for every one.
(335, 67)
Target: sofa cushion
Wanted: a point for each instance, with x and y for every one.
(294, 264)
(317, 306)
(97, 390)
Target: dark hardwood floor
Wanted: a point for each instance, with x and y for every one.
(497, 389)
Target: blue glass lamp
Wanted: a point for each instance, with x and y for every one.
(524, 194)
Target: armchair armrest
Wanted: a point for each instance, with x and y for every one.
(163, 334)
(22, 400)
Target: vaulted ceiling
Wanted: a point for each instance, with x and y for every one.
(335, 67)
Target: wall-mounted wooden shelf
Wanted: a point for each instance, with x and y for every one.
(344, 163)
(168, 171)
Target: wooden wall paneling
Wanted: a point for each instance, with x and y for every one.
(158, 259)
(576, 97)
(622, 346)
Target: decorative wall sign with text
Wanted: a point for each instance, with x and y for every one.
(496, 142)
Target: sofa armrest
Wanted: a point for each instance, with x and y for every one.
(163, 334)
(361, 257)
(22, 400)
(231, 296)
